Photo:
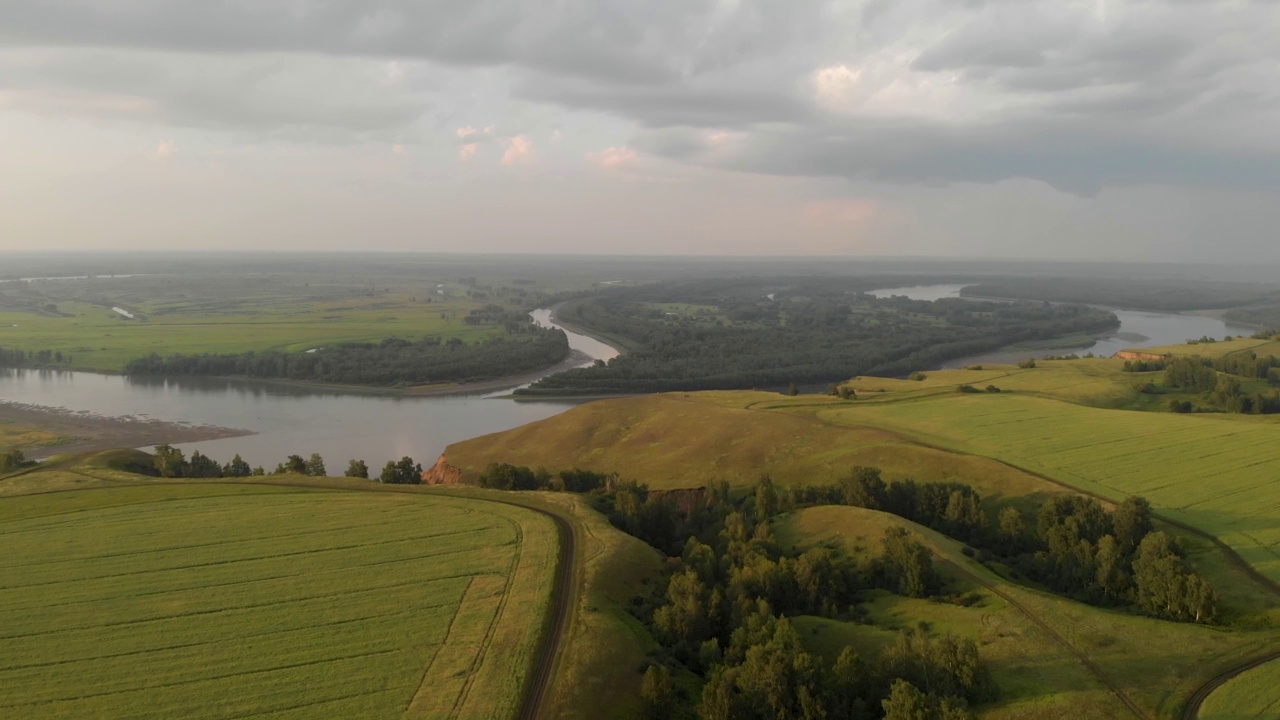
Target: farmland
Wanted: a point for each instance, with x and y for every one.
(1253, 695)
(217, 600)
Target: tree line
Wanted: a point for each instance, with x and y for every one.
(523, 347)
(15, 357)
(816, 332)
(171, 462)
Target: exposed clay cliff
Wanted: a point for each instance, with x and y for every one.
(442, 473)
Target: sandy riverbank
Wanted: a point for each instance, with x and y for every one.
(87, 431)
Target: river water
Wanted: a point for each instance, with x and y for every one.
(1138, 329)
(294, 420)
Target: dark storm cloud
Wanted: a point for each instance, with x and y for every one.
(619, 40)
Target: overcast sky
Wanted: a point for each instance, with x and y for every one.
(1001, 128)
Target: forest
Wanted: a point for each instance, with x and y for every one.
(767, 333)
(522, 347)
(1139, 293)
(721, 613)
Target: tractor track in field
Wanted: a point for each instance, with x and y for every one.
(536, 691)
(1191, 709)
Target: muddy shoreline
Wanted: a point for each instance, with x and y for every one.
(87, 431)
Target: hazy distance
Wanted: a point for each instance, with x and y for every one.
(1075, 130)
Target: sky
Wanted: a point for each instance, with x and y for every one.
(1097, 130)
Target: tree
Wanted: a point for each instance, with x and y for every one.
(315, 466)
(657, 693)
(296, 465)
(237, 468)
(1013, 528)
(357, 469)
(390, 474)
(906, 702)
(684, 617)
(907, 564)
(169, 461)
(202, 466)
(1132, 521)
(402, 472)
(766, 498)
(11, 459)
(793, 390)
(863, 487)
(1112, 576)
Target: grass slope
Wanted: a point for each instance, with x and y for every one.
(218, 600)
(1035, 642)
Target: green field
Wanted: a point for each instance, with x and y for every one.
(1033, 641)
(95, 338)
(211, 600)
(1254, 695)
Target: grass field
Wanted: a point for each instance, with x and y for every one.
(95, 338)
(1254, 695)
(1033, 641)
(208, 600)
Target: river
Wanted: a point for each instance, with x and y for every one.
(295, 420)
(1138, 329)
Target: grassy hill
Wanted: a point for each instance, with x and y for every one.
(1051, 657)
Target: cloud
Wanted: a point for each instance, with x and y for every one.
(1081, 96)
(165, 149)
(466, 132)
(466, 152)
(398, 149)
(612, 158)
(519, 151)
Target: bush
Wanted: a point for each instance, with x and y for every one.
(967, 389)
(993, 389)
(1027, 364)
(917, 376)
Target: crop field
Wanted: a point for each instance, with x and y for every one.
(1254, 695)
(210, 600)
(1033, 641)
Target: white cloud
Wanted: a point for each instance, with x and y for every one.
(519, 150)
(466, 152)
(466, 132)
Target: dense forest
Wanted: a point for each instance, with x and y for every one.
(523, 347)
(702, 335)
(1144, 294)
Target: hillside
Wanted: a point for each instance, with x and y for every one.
(1051, 657)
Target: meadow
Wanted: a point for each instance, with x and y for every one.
(223, 314)
(1051, 657)
(240, 600)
